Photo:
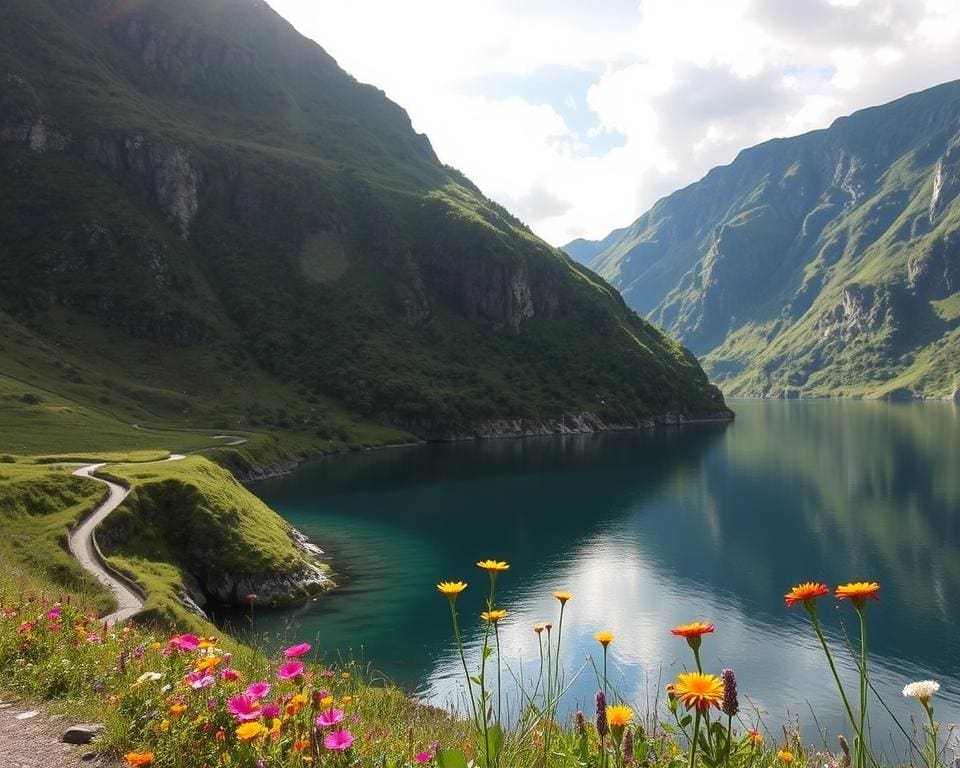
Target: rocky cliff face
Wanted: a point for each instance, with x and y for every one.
(813, 263)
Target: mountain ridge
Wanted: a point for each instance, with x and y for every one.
(204, 195)
(820, 264)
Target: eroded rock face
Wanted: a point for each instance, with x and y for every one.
(22, 120)
(862, 309)
(946, 181)
(170, 172)
(934, 272)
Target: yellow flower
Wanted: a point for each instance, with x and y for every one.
(207, 663)
(562, 597)
(326, 701)
(756, 738)
(619, 715)
(178, 709)
(494, 616)
(248, 731)
(494, 565)
(451, 588)
(275, 727)
(604, 638)
(156, 646)
(695, 689)
(164, 725)
(785, 755)
(295, 704)
(345, 675)
(346, 701)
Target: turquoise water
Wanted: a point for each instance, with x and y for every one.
(648, 530)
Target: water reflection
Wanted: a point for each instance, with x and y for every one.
(650, 530)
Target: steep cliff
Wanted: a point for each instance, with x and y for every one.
(201, 188)
(827, 263)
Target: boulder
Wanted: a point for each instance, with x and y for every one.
(81, 734)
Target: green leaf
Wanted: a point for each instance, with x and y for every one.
(451, 758)
(686, 720)
(495, 737)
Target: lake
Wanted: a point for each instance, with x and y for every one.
(649, 530)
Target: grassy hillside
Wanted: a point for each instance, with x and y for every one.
(823, 264)
(216, 227)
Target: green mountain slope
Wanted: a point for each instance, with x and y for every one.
(213, 224)
(828, 263)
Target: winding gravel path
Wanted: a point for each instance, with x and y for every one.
(83, 548)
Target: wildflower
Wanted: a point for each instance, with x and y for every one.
(326, 701)
(187, 643)
(493, 566)
(275, 725)
(230, 674)
(618, 717)
(290, 670)
(628, 746)
(921, 690)
(296, 651)
(347, 700)
(220, 735)
(695, 689)
(295, 704)
(345, 675)
(730, 704)
(53, 614)
(330, 718)
(785, 756)
(604, 638)
(493, 616)
(602, 725)
(806, 593)
(243, 707)
(259, 689)
(338, 741)
(270, 711)
(247, 731)
(581, 724)
(138, 758)
(694, 630)
(562, 597)
(251, 597)
(451, 588)
(422, 757)
(177, 709)
(148, 677)
(538, 628)
(756, 738)
(858, 592)
(198, 681)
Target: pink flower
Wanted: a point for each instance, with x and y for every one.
(296, 651)
(423, 757)
(198, 680)
(185, 642)
(338, 741)
(290, 670)
(271, 711)
(229, 674)
(243, 707)
(258, 690)
(329, 718)
(327, 673)
(54, 613)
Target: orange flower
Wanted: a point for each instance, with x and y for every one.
(695, 689)
(138, 758)
(494, 566)
(177, 709)
(562, 597)
(538, 628)
(249, 731)
(696, 629)
(785, 756)
(806, 593)
(756, 738)
(858, 592)
(207, 663)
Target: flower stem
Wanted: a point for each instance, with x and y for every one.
(833, 668)
(693, 741)
(463, 660)
(861, 751)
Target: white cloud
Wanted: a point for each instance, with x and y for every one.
(579, 118)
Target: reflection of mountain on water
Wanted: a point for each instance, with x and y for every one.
(831, 491)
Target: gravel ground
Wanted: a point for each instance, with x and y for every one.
(34, 741)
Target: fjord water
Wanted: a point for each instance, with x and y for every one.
(648, 530)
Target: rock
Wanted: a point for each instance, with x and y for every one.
(27, 715)
(81, 734)
(955, 397)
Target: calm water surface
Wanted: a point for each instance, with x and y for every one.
(649, 530)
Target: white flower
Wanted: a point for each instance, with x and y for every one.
(152, 676)
(922, 690)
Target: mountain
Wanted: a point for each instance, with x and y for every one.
(204, 220)
(585, 251)
(824, 264)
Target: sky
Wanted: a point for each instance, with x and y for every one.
(578, 115)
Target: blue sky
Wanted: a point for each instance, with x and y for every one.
(578, 116)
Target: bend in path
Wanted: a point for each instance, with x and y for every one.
(83, 548)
